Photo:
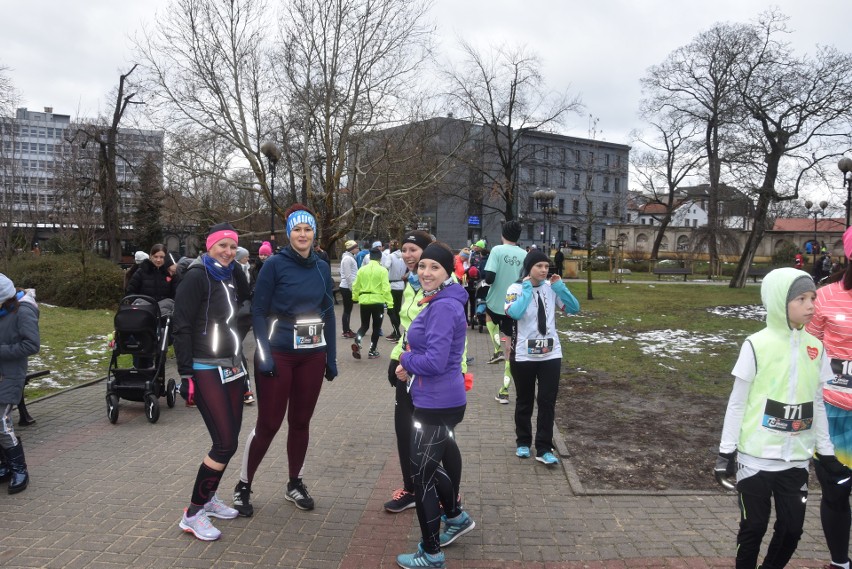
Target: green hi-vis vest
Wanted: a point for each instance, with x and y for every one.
(779, 414)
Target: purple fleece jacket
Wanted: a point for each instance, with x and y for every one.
(436, 339)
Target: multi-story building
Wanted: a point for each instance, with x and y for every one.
(564, 187)
(35, 148)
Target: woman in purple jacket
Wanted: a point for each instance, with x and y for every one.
(431, 366)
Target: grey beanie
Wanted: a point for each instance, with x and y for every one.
(7, 288)
(242, 253)
(801, 285)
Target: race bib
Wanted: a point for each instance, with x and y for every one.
(842, 380)
(788, 418)
(229, 374)
(308, 334)
(539, 346)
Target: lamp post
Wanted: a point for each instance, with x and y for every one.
(845, 166)
(816, 212)
(272, 154)
(544, 199)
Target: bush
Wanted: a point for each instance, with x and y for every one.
(63, 280)
(785, 255)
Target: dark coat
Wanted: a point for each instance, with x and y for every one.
(19, 339)
(152, 281)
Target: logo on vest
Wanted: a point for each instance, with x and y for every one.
(813, 352)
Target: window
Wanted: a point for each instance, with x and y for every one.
(561, 205)
(606, 183)
(577, 156)
(577, 181)
(531, 203)
(618, 161)
(617, 184)
(590, 186)
(591, 158)
(575, 206)
(606, 160)
(562, 155)
(545, 178)
(562, 179)
(604, 209)
(531, 175)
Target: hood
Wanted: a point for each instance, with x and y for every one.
(773, 293)
(290, 253)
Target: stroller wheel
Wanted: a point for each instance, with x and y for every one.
(170, 393)
(112, 408)
(152, 408)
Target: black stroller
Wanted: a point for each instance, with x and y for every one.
(142, 332)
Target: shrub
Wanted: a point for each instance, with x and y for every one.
(63, 280)
(785, 255)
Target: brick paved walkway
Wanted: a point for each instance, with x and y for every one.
(110, 496)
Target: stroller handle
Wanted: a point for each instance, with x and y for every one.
(131, 298)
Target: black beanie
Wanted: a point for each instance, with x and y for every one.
(419, 238)
(512, 231)
(534, 257)
(440, 253)
(375, 254)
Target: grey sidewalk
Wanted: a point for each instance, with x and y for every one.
(108, 496)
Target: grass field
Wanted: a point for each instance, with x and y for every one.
(651, 333)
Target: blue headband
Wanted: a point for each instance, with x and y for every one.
(300, 216)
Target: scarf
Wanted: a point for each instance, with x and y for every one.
(19, 295)
(216, 271)
(429, 295)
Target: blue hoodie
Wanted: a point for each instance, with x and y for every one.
(436, 339)
(289, 288)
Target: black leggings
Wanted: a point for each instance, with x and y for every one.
(377, 313)
(835, 514)
(403, 421)
(221, 407)
(346, 293)
(436, 468)
(526, 374)
(756, 494)
(393, 313)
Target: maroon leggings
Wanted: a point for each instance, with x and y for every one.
(294, 390)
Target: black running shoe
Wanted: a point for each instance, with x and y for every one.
(242, 500)
(298, 494)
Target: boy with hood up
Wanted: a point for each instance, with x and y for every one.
(776, 420)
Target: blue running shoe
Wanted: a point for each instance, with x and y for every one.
(548, 459)
(455, 528)
(421, 559)
(523, 452)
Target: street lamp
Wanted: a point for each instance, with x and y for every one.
(273, 155)
(544, 199)
(845, 166)
(816, 212)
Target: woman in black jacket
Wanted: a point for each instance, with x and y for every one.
(210, 363)
(155, 276)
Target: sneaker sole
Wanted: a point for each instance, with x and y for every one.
(245, 511)
(466, 530)
(544, 462)
(398, 510)
(525, 455)
(287, 496)
(188, 529)
(222, 517)
(500, 400)
(356, 351)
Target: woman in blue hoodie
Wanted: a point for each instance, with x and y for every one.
(293, 322)
(431, 367)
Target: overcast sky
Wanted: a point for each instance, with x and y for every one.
(68, 54)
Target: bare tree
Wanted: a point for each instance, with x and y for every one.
(697, 83)
(347, 67)
(799, 111)
(673, 153)
(104, 136)
(503, 90)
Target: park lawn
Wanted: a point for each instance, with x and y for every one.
(73, 347)
(657, 336)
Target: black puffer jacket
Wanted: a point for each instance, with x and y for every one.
(204, 323)
(152, 281)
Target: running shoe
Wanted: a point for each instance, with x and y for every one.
(497, 357)
(356, 350)
(421, 559)
(523, 452)
(242, 500)
(402, 500)
(350, 334)
(548, 458)
(502, 396)
(298, 494)
(199, 525)
(455, 528)
(373, 354)
(216, 508)
(248, 398)
(392, 338)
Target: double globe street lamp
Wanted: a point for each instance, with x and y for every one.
(816, 212)
(845, 166)
(545, 199)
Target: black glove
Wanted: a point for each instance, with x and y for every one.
(836, 471)
(726, 469)
(330, 371)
